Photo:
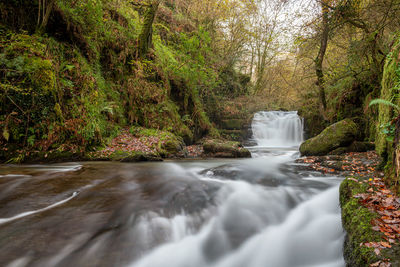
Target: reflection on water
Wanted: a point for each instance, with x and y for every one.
(263, 211)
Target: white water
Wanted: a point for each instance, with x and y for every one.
(294, 224)
(277, 129)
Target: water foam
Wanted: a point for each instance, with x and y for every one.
(277, 129)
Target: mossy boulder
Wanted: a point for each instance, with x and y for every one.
(337, 135)
(167, 145)
(225, 149)
(174, 147)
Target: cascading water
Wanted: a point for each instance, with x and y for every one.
(277, 129)
(258, 212)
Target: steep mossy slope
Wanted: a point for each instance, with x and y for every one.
(389, 92)
(387, 128)
(76, 82)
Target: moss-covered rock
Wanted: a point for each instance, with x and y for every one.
(356, 220)
(174, 146)
(337, 135)
(165, 143)
(225, 149)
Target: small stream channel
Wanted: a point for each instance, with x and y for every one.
(266, 211)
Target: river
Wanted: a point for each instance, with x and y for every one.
(266, 211)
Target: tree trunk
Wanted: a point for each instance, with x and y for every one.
(251, 63)
(46, 17)
(320, 58)
(146, 35)
(46, 12)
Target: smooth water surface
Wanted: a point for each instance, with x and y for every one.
(263, 211)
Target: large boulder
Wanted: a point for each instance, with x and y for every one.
(340, 134)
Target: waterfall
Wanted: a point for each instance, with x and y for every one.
(277, 129)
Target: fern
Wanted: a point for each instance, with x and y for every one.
(384, 102)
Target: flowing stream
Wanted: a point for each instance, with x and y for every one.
(258, 212)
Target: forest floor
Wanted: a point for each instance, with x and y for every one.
(195, 151)
(127, 142)
(362, 164)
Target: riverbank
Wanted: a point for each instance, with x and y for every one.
(362, 164)
(131, 145)
(370, 210)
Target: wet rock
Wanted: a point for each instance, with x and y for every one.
(340, 134)
(225, 149)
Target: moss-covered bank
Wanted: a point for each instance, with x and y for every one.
(388, 126)
(357, 221)
(75, 83)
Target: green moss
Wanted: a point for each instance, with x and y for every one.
(390, 87)
(80, 81)
(356, 220)
(232, 124)
(168, 144)
(337, 135)
(390, 92)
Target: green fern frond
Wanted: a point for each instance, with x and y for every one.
(384, 102)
